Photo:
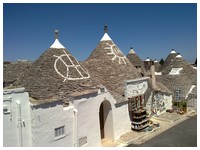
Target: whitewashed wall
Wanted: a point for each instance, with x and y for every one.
(47, 117)
(159, 98)
(116, 124)
(122, 122)
(155, 101)
(149, 103)
(10, 120)
(41, 121)
(168, 101)
(136, 87)
(162, 102)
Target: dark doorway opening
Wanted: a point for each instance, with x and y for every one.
(101, 120)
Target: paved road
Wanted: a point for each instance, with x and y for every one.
(181, 135)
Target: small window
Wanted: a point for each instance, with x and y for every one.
(178, 95)
(102, 90)
(6, 109)
(65, 103)
(60, 131)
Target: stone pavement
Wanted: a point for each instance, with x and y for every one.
(166, 120)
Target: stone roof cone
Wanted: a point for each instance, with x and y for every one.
(175, 60)
(178, 72)
(136, 60)
(56, 74)
(157, 65)
(168, 60)
(110, 66)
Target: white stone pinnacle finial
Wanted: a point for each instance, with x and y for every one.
(178, 56)
(56, 34)
(173, 51)
(56, 43)
(131, 51)
(147, 59)
(105, 29)
(105, 36)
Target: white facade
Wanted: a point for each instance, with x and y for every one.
(53, 125)
(88, 107)
(159, 102)
(79, 124)
(46, 118)
(136, 87)
(162, 102)
(16, 118)
(81, 121)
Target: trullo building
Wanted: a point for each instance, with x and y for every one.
(179, 76)
(57, 101)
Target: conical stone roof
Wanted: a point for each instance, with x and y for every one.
(188, 70)
(168, 60)
(185, 78)
(56, 74)
(136, 61)
(110, 67)
(13, 70)
(134, 58)
(179, 62)
(157, 65)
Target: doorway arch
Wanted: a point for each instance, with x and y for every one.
(106, 120)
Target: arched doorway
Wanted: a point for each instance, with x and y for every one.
(106, 120)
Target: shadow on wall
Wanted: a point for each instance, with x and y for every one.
(48, 105)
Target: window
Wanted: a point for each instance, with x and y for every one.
(60, 131)
(6, 109)
(178, 94)
(7, 105)
(102, 90)
(65, 103)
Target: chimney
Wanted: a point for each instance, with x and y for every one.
(150, 68)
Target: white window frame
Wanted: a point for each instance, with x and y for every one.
(59, 132)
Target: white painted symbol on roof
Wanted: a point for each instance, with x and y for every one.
(114, 50)
(76, 67)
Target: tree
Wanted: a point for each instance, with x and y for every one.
(161, 61)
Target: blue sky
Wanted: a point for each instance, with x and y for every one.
(151, 29)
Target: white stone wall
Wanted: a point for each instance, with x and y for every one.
(11, 120)
(168, 101)
(122, 122)
(116, 124)
(136, 87)
(47, 117)
(162, 102)
(158, 102)
(149, 103)
(41, 121)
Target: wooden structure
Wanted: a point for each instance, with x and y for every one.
(139, 115)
